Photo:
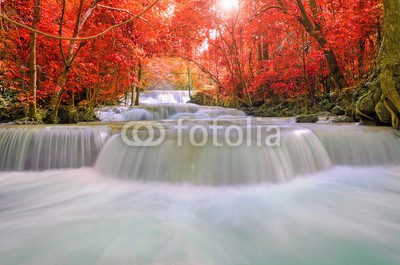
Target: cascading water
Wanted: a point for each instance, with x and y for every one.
(50, 147)
(164, 104)
(350, 145)
(164, 96)
(147, 112)
(337, 201)
(216, 162)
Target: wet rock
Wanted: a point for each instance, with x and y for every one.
(312, 118)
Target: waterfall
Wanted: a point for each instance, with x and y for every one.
(300, 152)
(334, 209)
(361, 146)
(164, 96)
(162, 105)
(50, 147)
(165, 111)
(160, 97)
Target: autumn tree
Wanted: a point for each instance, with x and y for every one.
(32, 62)
(312, 24)
(14, 54)
(95, 52)
(279, 48)
(218, 44)
(77, 26)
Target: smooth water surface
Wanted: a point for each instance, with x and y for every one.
(346, 215)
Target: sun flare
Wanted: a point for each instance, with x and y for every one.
(228, 5)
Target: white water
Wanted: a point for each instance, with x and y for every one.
(300, 152)
(50, 147)
(337, 201)
(346, 215)
(164, 104)
(165, 111)
(352, 145)
(164, 96)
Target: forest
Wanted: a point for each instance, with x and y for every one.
(268, 57)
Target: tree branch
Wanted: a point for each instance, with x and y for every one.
(78, 22)
(82, 38)
(216, 79)
(61, 28)
(265, 9)
(305, 20)
(128, 12)
(283, 7)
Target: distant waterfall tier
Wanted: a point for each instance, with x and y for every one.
(217, 162)
(161, 96)
(50, 147)
(165, 111)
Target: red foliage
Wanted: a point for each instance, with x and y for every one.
(255, 51)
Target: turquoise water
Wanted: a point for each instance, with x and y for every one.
(326, 195)
(343, 215)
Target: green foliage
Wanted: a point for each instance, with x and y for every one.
(13, 112)
(203, 98)
(8, 96)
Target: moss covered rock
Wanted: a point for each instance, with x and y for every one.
(312, 118)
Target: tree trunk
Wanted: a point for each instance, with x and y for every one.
(69, 57)
(381, 102)
(1, 13)
(137, 96)
(360, 59)
(313, 28)
(133, 93)
(189, 76)
(334, 68)
(93, 95)
(138, 87)
(56, 100)
(32, 63)
(262, 47)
